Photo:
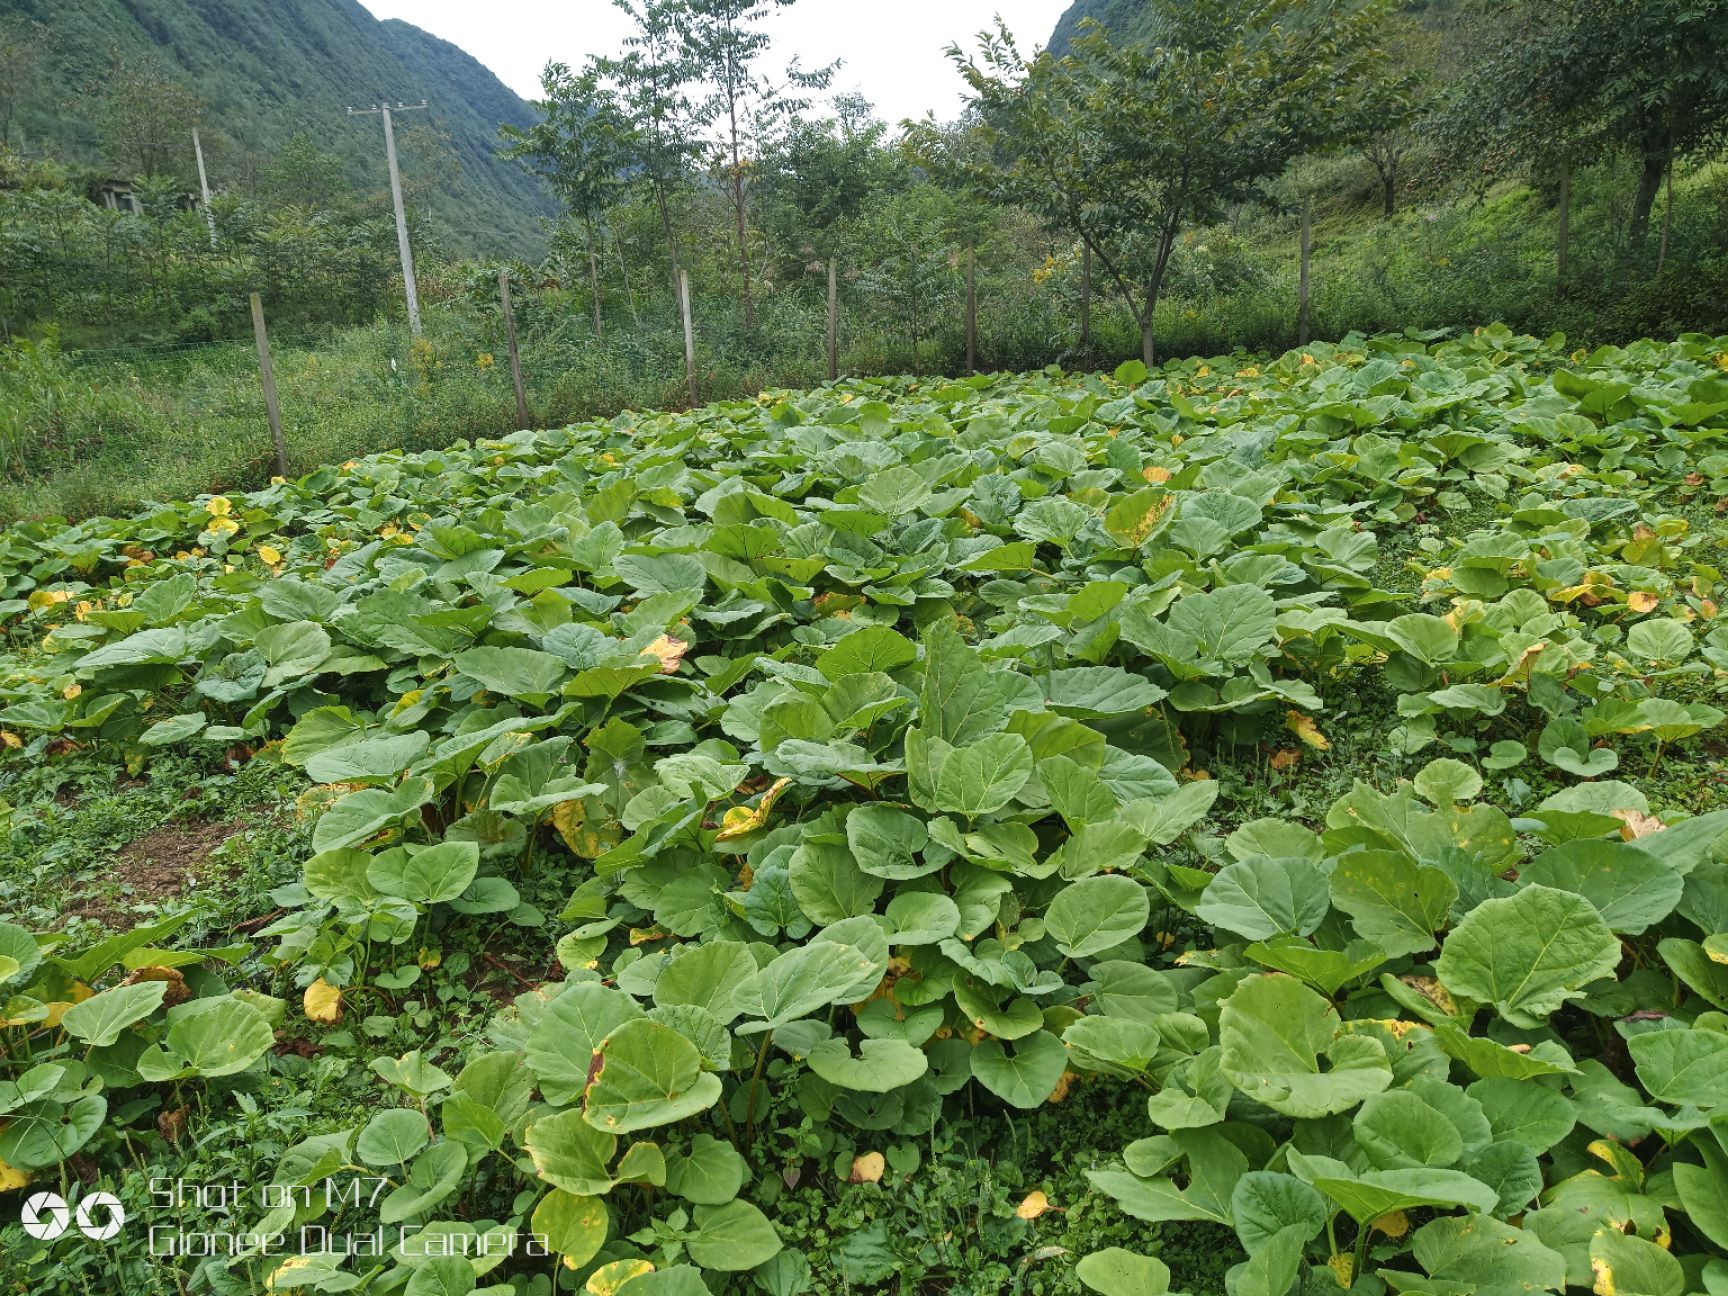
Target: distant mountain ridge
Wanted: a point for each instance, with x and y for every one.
(272, 68)
(1117, 16)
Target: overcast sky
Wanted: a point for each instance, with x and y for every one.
(892, 49)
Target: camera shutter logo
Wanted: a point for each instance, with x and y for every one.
(99, 1216)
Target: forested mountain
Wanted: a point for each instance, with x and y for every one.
(1118, 16)
(270, 69)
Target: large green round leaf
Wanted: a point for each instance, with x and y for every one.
(99, 1019)
(425, 874)
(573, 1226)
(1264, 1202)
(921, 918)
(984, 776)
(359, 815)
(570, 1153)
(1393, 902)
(436, 1173)
(1259, 898)
(1274, 1032)
(515, 672)
(392, 1137)
(17, 944)
(828, 885)
(708, 1172)
(1396, 1130)
(799, 982)
(648, 1075)
(1097, 914)
(44, 1133)
(1631, 889)
(706, 976)
(441, 1276)
(1026, 1076)
(885, 842)
(732, 1238)
(1116, 1272)
(1528, 953)
(217, 1037)
(561, 1052)
(1688, 1068)
(880, 1066)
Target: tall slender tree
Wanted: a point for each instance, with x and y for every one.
(725, 40)
(581, 146)
(654, 78)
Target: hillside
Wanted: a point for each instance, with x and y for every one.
(1116, 15)
(271, 68)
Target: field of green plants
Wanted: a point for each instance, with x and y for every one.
(1245, 825)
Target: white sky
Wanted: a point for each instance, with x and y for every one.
(892, 49)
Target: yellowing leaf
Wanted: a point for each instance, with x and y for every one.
(1635, 824)
(10, 739)
(270, 554)
(1285, 758)
(1034, 1205)
(286, 1270)
(608, 1278)
(1303, 727)
(740, 821)
(1642, 601)
(219, 506)
(1343, 1266)
(322, 1002)
(668, 651)
(1157, 476)
(224, 526)
(12, 1178)
(586, 837)
(868, 1168)
(1395, 1225)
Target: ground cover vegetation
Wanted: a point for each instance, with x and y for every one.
(1223, 826)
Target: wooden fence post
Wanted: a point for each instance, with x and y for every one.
(971, 311)
(1565, 227)
(522, 419)
(267, 372)
(833, 321)
(1667, 217)
(689, 335)
(1086, 303)
(1302, 281)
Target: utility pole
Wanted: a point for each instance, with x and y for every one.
(204, 187)
(408, 284)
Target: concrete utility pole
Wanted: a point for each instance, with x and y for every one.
(204, 186)
(408, 284)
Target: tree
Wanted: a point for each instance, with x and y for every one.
(1124, 145)
(581, 147)
(913, 269)
(724, 40)
(822, 172)
(1573, 76)
(653, 79)
(146, 117)
(304, 175)
(1377, 120)
(22, 45)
